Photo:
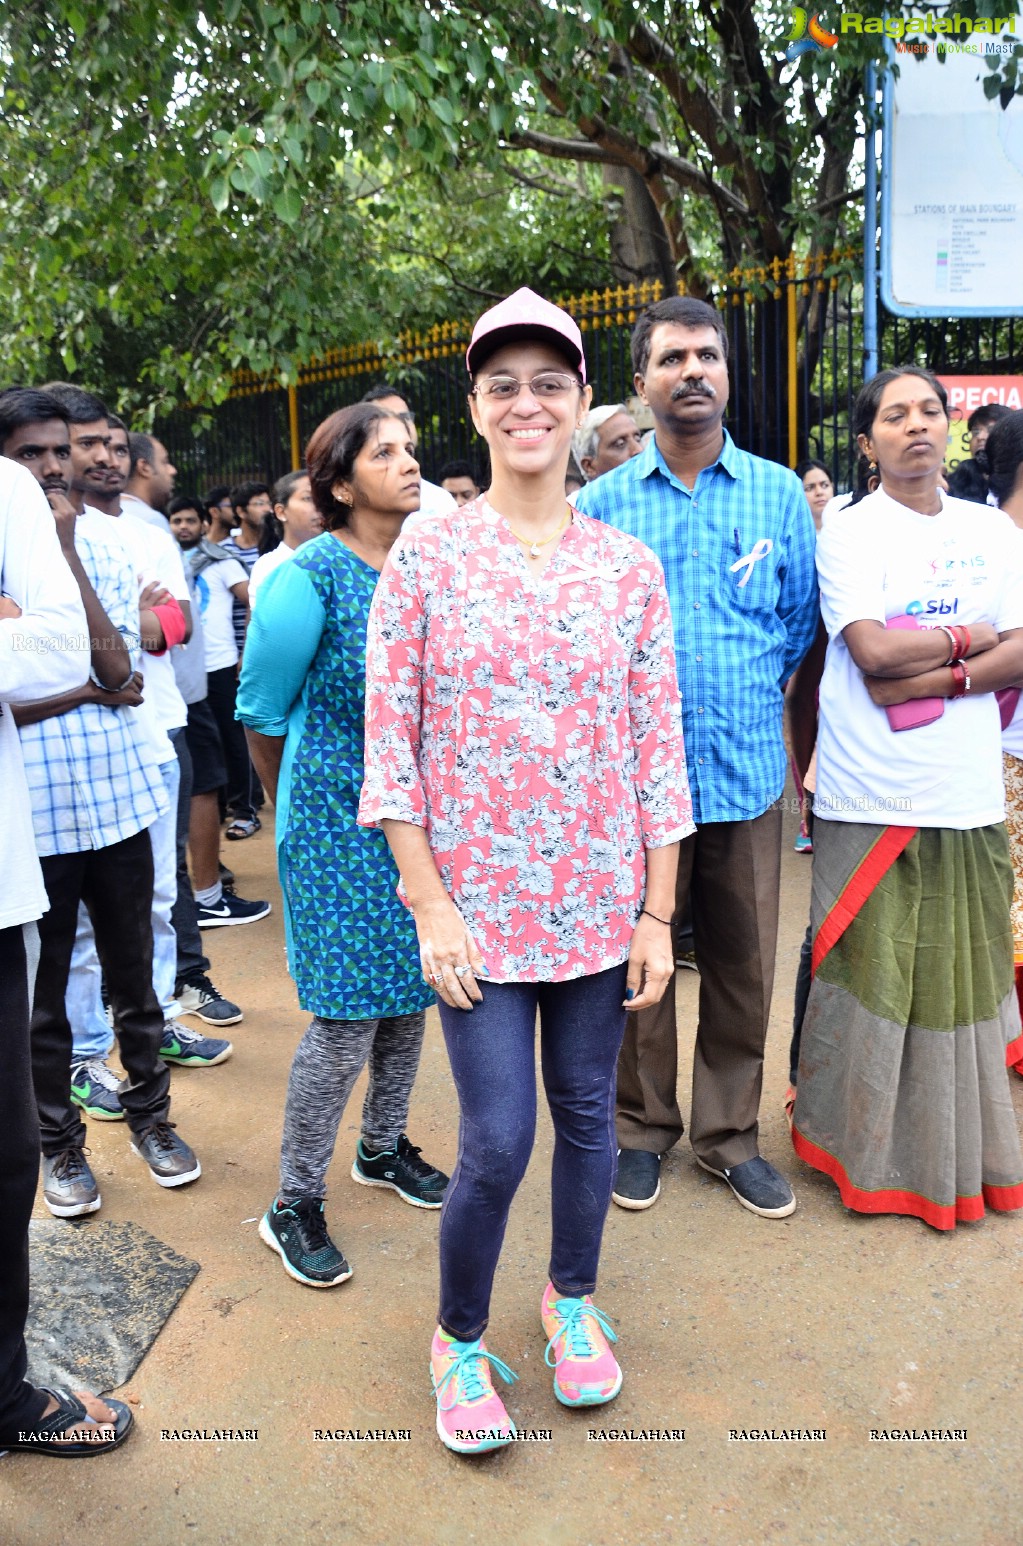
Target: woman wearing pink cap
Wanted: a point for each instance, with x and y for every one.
(524, 757)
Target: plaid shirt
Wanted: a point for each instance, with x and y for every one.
(738, 557)
(92, 779)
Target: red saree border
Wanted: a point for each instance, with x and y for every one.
(1003, 1199)
(872, 868)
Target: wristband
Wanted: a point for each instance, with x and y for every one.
(644, 914)
(966, 641)
(961, 679)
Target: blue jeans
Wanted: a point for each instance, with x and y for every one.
(492, 1057)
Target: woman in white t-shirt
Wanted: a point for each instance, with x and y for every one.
(903, 1095)
(294, 520)
(1002, 460)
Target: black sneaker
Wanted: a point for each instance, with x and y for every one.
(231, 909)
(170, 1160)
(638, 1183)
(200, 998)
(298, 1233)
(403, 1171)
(758, 1186)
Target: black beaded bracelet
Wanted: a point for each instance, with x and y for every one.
(645, 914)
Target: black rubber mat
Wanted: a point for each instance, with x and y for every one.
(100, 1294)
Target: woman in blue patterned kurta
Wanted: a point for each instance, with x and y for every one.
(352, 946)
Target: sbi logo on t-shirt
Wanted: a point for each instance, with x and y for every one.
(934, 608)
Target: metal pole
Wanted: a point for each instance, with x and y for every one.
(793, 396)
(296, 441)
(870, 336)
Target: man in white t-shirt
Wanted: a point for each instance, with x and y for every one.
(220, 581)
(97, 483)
(44, 651)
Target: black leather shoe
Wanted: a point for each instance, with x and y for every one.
(758, 1186)
(638, 1183)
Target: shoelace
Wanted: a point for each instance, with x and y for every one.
(469, 1377)
(312, 1225)
(70, 1164)
(98, 1072)
(184, 1035)
(411, 1156)
(578, 1334)
(161, 1134)
(204, 986)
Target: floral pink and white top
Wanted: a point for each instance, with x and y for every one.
(532, 725)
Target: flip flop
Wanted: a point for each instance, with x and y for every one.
(44, 1437)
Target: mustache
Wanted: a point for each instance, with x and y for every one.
(55, 485)
(691, 389)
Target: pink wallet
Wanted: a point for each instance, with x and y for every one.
(917, 711)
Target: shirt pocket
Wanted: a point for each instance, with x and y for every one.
(753, 584)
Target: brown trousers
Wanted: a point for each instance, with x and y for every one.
(731, 873)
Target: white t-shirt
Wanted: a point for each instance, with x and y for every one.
(265, 566)
(156, 556)
(878, 560)
(1012, 735)
(216, 602)
(44, 652)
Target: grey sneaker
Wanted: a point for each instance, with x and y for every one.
(180, 1045)
(69, 1186)
(200, 998)
(170, 1160)
(94, 1087)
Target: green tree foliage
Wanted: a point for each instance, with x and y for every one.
(189, 188)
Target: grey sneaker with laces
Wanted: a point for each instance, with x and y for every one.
(170, 1160)
(69, 1186)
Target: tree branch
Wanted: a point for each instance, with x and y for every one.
(610, 146)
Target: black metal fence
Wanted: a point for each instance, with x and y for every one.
(796, 355)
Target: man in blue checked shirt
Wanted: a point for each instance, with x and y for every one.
(736, 539)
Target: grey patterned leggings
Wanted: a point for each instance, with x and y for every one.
(328, 1060)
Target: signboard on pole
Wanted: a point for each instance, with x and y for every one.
(951, 178)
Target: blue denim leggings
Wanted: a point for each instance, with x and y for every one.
(492, 1056)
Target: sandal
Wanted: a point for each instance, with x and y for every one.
(44, 1437)
(243, 827)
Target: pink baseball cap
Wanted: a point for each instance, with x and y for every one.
(525, 315)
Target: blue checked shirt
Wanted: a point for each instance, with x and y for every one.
(738, 557)
(92, 779)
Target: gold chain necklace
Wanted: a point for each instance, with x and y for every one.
(541, 542)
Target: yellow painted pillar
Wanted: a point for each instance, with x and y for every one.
(296, 444)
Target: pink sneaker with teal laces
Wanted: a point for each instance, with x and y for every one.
(586, 1372)
(471, 1418)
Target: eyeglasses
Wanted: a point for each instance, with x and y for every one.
(545, 386)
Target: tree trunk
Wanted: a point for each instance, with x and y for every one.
(640, 247)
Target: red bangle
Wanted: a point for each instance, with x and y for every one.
(966, 645)
(953, 643)
(960, 678)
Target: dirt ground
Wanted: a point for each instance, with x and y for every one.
(824, 1321)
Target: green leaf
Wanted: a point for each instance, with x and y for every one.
(287, 205)
(317, 91)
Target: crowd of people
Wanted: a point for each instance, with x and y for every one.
(525, 747)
